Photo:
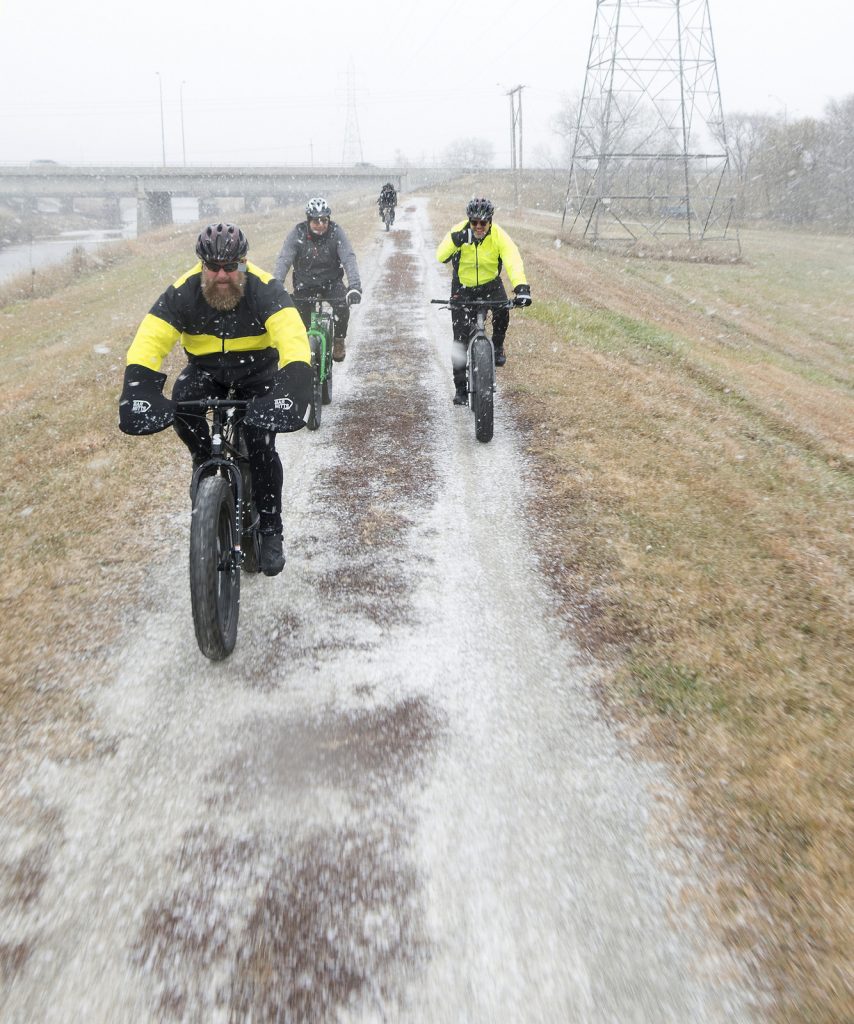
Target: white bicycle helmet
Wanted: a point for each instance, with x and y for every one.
(317, 207)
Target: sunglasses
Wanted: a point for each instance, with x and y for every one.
(319, 220)
(479, 223)
(215, 268)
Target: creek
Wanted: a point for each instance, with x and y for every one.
(41, 253)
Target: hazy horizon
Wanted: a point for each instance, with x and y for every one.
(272, 87)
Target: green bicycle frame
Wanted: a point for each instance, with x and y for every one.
(316, 329)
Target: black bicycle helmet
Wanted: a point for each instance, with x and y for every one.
(480, 209)
(221, 243)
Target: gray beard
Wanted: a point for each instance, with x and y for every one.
(227, 298)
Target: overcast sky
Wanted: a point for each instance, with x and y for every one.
(268, 83)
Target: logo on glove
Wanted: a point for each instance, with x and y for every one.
(283, 403)
(140, 406)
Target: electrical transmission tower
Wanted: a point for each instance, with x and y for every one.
(516, 136)
(352, 152)
(649, 154)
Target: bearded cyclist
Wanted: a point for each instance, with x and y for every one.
(320, 253)
(477, 249)
(240, 331)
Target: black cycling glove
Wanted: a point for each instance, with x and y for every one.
(142, 407)
(284, 408)
(523, 295)
(465, 236)
(354, 297)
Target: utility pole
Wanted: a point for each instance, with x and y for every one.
(162, 127)
(516, 145)
(181, 102)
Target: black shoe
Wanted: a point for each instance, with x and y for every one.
(272, 554)
(500, 357)
(461, 395)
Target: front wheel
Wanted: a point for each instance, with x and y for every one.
(214, 572)
(315, 412)
(329, 327)
(481, 382)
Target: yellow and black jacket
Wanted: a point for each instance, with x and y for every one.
(264, 318)
(479, 263)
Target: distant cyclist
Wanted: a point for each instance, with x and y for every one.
(477, 249)
(320, 253)
(387, 199)
(240, 330)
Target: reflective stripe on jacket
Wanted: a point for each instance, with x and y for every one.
(481, 262)
(264, 318)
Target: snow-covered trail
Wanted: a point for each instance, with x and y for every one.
(396, 800)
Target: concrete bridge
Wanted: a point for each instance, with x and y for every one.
(154, 187)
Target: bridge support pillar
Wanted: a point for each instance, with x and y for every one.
(113, 211)
(153, 210)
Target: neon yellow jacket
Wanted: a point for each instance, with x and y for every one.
(264, 318)
(481, 262)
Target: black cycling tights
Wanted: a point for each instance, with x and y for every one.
(461, 321)
(267, 475)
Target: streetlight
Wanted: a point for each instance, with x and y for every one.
(181, 101)
(162, 126)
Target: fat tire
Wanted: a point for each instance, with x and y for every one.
(482, 370)
(214, 591)
(315, 413)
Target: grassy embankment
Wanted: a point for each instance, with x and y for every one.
(693, 426)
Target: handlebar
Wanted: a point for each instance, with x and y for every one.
(212, 403)
(476, 303)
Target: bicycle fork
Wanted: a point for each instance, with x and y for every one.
(231, 470)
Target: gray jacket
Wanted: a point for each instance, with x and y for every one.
(317, 260)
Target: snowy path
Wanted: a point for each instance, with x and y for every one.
(396, 801)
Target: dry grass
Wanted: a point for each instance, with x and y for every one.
(693, 428)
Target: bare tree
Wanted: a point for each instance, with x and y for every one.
(839, 160)
(470, 154)
(746, 138)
